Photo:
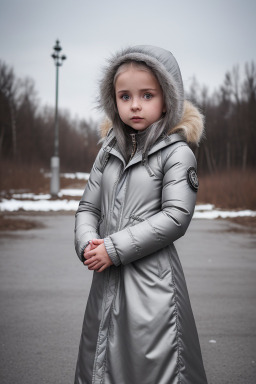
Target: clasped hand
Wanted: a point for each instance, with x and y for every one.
(97, 258)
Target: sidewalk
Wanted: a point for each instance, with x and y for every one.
(44, 288)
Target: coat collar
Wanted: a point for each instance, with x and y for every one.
(164, 141)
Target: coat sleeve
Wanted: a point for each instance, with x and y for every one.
(89, 211)
(166, 226)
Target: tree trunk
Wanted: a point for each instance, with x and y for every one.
(228, 155)
(208, 159)
(2, 138)
(244, 157)
(13, 126)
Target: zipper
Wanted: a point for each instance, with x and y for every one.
(146, 165)
(134, 149)
(134, 145)
(112, 199)
(120, 219)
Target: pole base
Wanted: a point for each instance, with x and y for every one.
(55, 178)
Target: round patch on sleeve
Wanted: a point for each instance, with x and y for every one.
(192, 178)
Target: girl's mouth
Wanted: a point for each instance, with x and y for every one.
(136, 119)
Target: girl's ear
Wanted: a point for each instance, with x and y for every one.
(164, 109)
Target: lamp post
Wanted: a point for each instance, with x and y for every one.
(55, 162)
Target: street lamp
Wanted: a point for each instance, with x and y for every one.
(55, 162)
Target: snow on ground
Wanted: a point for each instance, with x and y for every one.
(217, 213)
(32, 196)
(42, 202)
(204, 207)
(38, 205)
(41, 196)
(77, 175)
(71, 192)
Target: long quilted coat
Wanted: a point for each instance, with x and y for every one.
(138, 326)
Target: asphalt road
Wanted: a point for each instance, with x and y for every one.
(44, 289)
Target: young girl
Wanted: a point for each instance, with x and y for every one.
(138, 326)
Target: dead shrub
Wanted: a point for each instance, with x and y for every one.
(29, 177)
(16, 176)
(234, 189)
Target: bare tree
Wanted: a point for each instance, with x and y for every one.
(26, 129)
(8, 91)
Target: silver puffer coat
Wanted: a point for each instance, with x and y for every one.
(138, 326)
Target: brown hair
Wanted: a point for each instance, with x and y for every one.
(132, 64)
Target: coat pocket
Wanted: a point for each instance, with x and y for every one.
(159, 258)
(163, 262)
(154, 266)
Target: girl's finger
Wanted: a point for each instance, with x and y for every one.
(92, 268)
(97, 241)
(90, 261)
(90, 253)
(102, 268)
(87, 256)
(93, 264)
(95, 267)
(88, 248)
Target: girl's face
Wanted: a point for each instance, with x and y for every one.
(139, 98)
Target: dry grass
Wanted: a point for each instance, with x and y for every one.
(12, 223)
(243, 224)
(230, 190)
(15, 176)
(20, 177)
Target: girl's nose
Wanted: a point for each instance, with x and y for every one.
(135, 106)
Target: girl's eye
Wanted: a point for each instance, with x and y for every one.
(148, 96)
(125, 97)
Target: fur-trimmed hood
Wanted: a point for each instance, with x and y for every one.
(181, 116)
(165, 67)
(191, 125)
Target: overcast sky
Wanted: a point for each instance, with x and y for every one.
(206, 37)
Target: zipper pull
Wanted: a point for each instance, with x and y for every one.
(134, 145)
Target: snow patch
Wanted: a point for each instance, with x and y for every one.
(204, 207)
(43, 202)
(63, 192)
(215, 214)
(71, 192)
(39, 205)
(76, 175)
(31, 196)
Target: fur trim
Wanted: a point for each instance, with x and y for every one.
(105, 127)
(191, 125)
